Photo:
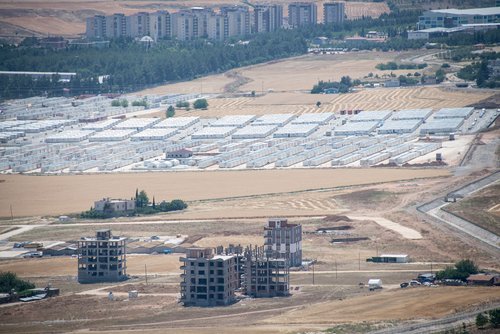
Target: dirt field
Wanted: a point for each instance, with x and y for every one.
(67, 17)
(298, 73)
(53, 195)
(325, 308)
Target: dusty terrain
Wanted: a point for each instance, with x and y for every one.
(42, 195)
(334, 299)
(67, 17)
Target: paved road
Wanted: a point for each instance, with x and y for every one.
(434, 210)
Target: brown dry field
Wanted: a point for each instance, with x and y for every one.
(312, 308)
(53, 195)
(297, 73)
(67, 17)
(291, 80)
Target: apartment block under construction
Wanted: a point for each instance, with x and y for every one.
(102, 259)
(208, 279)
(283, 240)
(264, 276)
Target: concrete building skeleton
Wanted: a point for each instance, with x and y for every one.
(102, 259)
(208, 279)
(264, 276)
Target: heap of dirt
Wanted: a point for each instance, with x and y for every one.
(192, 239)
(492, 102)
(337, 218)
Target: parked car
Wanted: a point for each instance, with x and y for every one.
(415, 283)
(404, 285)
(32, 255)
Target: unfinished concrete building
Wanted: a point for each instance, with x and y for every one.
(208, 279)
(283, 240)
(102, 259)
(264, 276)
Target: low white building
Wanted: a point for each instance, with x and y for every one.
(394, 258)
(254, 131)
(319, 118)
(216, 132)
(114, 205)
(356, 128)
(296, 130)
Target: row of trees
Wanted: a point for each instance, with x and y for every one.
(144, 206)
(342, 86)
(395, 66)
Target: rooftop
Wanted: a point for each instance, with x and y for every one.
(471, 11)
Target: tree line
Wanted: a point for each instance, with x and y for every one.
(125, 66)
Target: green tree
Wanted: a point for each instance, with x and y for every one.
(182, 104)
(461, 270)
(440, 76)
(467, 266)
(115, 103)
(483, 74)
(494, 316)
(170, 111)
(481, 320)
(9, 281)
(318, 104)
(142, 200)
(124, 103)
(200, 104)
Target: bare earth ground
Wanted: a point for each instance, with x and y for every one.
(334, 299)
(67, 17)
(55, 195)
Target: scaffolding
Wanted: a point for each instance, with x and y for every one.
(264, 276)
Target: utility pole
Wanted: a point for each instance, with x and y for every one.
(11, 215)
(359, 260)
(146, 273)
(336, 269)
(313, 271)
(431, 267)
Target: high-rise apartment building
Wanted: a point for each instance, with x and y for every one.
(302, 14)
(267, 18)
(138, 25)
(159, 25)
(96, 27)
(102, 259)
(333, 12)
(236, 21)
